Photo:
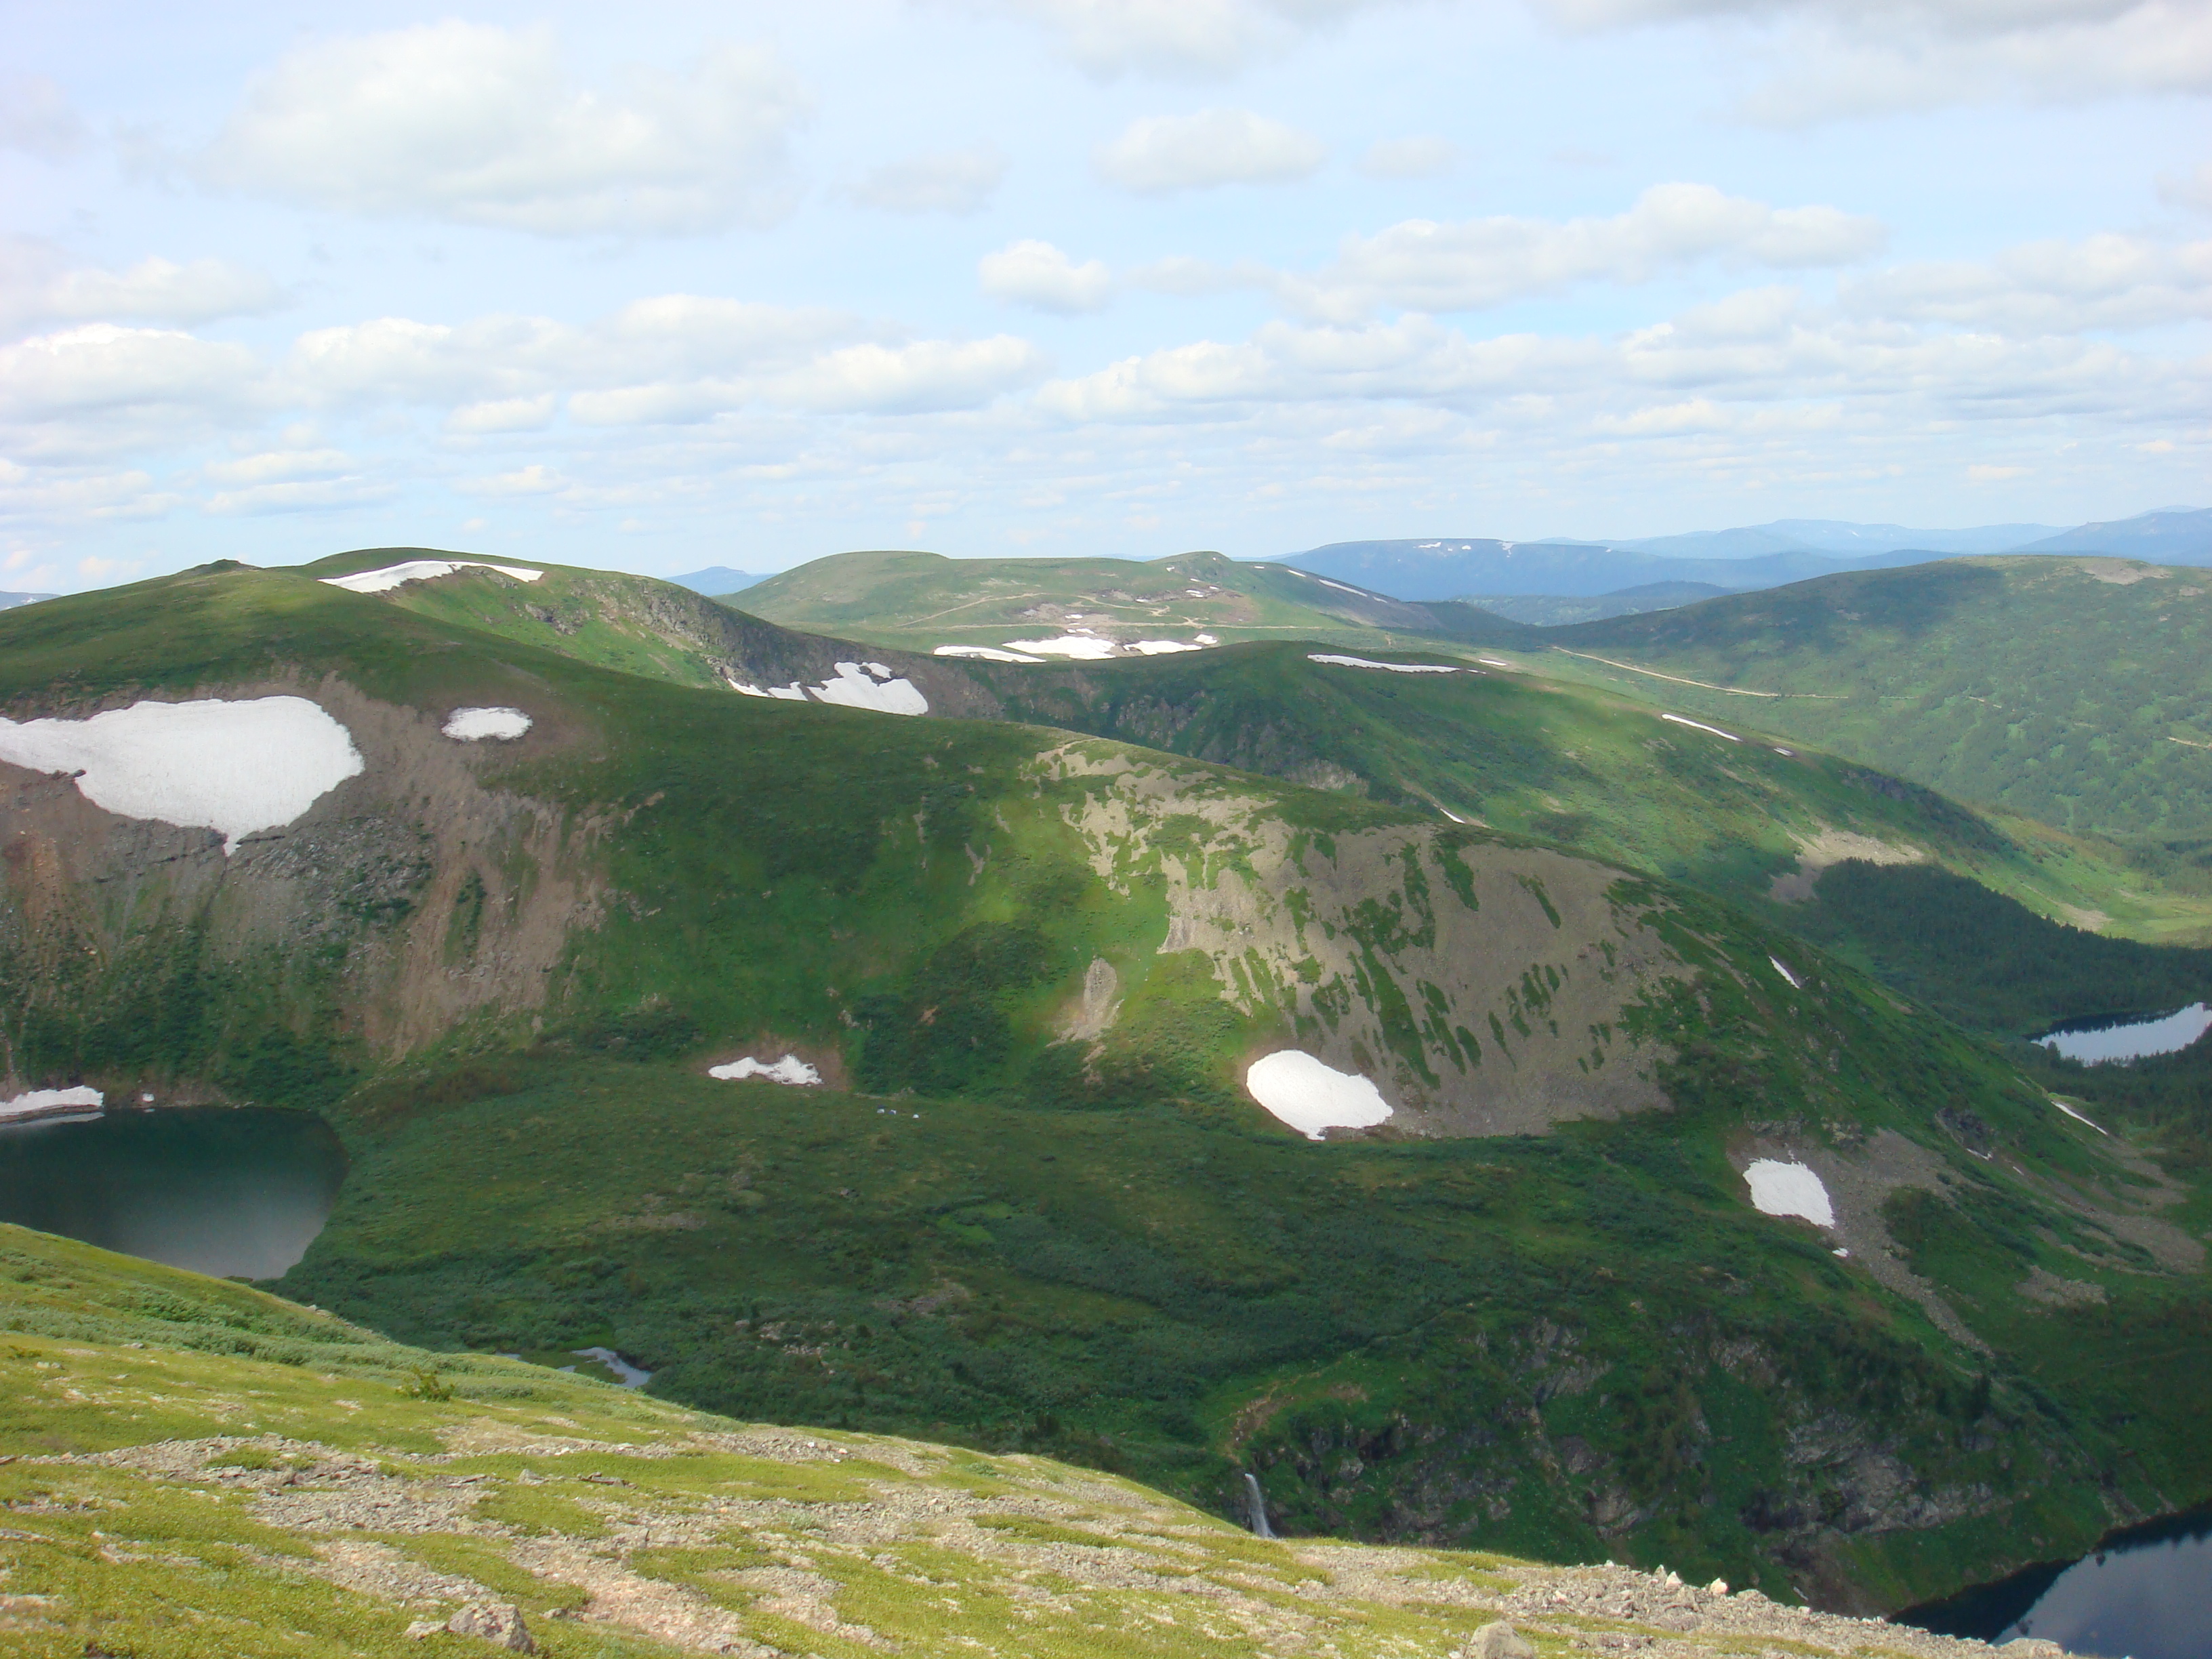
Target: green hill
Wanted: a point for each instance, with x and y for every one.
(1033, 1204)
(192, 1469)
(2069, 690)
(920, 601)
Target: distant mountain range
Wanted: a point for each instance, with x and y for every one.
(10, 601)
(1734, 561)
(718, 579)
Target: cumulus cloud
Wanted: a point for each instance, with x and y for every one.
(35, 117)
(481, 125)
(1408, 158)
(38, 285)
(103, 368)
(1182, 39)
(1033, 273)
(1420, 264)
(2105, 282)
(954, 181)
(1840, 57)
(1161, 154)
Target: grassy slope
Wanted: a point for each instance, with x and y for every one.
(2069, 690)
(1553, 759)
(922, 600)
(260, 1421)
(513, 1188)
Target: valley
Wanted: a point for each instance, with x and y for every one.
(1594, 959)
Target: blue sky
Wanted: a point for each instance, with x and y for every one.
(669, 286)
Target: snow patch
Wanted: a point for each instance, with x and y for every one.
(475, 725)
(877, 670)
(983, 651)
(1795, 983)
(1207, 639)
(853, 689)
(51, 1103)
(1494, 662)
(2077, 1116)
(1310, 1096)
(1159, 647)
(1394, 667)
(421, 570)
(1340, 587)
(790, 1069)
(1084, 647)
(1790, 1189)
(1700, 725)
(231, 766)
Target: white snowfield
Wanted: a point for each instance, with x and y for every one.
(986, 653)
(475, 725)
(1678, 719)
(790, 1069)
(1310, 1096)
(856, 685)
(51, 1103)
(2077, 1116)
(232, 767)
(870, 685)
(1790, 1189)
(1795, 982)
(422, 570)
(1083, 648)
(1159, 647)
(1394, 667)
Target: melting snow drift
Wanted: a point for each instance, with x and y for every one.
(1699, 725)
(232, 767)
(984, 652)
(421, 570)
(475, 725)
(790, 1069)
(856, 689)
(1790, 1189)
(51, 1103)
(1395, 667)
(1084, 647)
(1310, 1096)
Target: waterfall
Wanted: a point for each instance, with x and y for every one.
(1256, 1505)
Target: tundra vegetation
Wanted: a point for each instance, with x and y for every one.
(1031, 1208)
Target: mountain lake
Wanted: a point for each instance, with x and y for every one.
(238, 1193)
(2140, 1595)
(2098, 1042)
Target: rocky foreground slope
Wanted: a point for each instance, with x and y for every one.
(193, 1468)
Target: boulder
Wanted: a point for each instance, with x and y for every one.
(1498, 1641)
(2031, 1647)
(503, 1626)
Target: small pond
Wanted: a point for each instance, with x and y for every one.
(233, 1193)
(2141, 1595)
(2097, 1042)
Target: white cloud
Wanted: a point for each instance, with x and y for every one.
(1185, 38)
(103, 368)
(35, 117)
(37, 284)
(503, 415)
(925, 375)
(1419, 265)
(481, 125)
(536, 479)
(279, 465)
(2192, 189)
(1840, 57)
(1033, 273)
(2102, 281)
(1159, 153)
(953, 181)
(311, 495)
(1408, 158)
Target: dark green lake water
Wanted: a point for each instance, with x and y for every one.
(233, 1193)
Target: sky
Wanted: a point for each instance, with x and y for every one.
(666, 286)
